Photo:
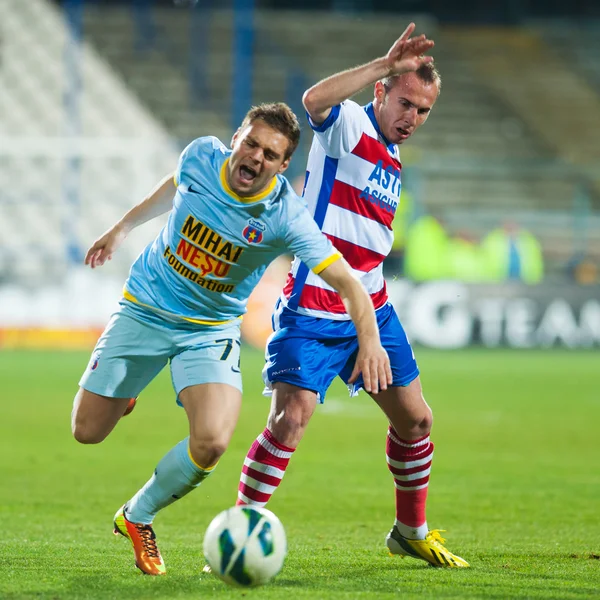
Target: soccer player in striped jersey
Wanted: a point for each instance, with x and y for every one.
(231, 213)
(352, 187)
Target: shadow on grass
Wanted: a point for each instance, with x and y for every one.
(410, 580)
(136, 586)
(499, 576)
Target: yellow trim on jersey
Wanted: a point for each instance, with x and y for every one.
(175, 180)
(206, 469)
(132, 298)
(256, 198)
(324, 264)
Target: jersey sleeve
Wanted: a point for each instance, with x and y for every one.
(303, 238)
(191, 158)
(342, 129)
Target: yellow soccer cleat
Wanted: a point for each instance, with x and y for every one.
(142, 538)
(430, 549)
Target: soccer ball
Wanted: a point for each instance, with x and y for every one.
(245, 545)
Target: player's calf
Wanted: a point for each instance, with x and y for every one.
(263, 470)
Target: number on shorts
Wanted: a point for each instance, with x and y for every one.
(228, 348)
(239, 355)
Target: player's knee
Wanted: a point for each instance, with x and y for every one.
(415, 424)
(290, 413)
(206, 452)
(426, 421)
(84, 431)
(420, 423)
(84, 427)
(288, 425)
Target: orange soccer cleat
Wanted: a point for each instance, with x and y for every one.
(130, 406)
(142, 538)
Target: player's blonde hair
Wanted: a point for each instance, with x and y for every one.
(280, 117)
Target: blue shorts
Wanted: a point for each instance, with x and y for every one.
(137, 343)
(309, 352)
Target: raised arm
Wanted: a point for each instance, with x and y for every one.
(372, 359)
(404, 56)
(157, 202)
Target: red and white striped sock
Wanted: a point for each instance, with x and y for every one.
(263, 470)
(410, 464)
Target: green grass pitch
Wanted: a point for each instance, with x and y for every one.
(515, 482)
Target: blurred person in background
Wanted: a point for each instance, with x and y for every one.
(231, 213)
(583, 270)
(466, 260)
(353, 189)
(426, 252)
(394, 263)
(512, 253)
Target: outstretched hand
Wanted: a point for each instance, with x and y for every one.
(105, 246)
(374, 364)
(407, 53)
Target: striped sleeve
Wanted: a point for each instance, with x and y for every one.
(341, 131)
(304, 239)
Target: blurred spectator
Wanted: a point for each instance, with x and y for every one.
(394, 263)
(513, 253)
(583, 270)
(426, 250)
(466, 260)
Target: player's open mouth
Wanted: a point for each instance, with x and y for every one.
(247, 174)
(402, 132)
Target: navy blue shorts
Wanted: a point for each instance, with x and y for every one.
(309, 352)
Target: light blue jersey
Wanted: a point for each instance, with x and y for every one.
(216, 245)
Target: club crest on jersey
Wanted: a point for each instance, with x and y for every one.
(253, 232)
(94, 362)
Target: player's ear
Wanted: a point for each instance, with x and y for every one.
(379, 91)
(284, 165)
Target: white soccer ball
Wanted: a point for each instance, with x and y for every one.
(245, 545)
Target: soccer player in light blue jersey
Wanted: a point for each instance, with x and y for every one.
(232, 213)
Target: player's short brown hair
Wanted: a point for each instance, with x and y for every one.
(280, 117)
(427, 73)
